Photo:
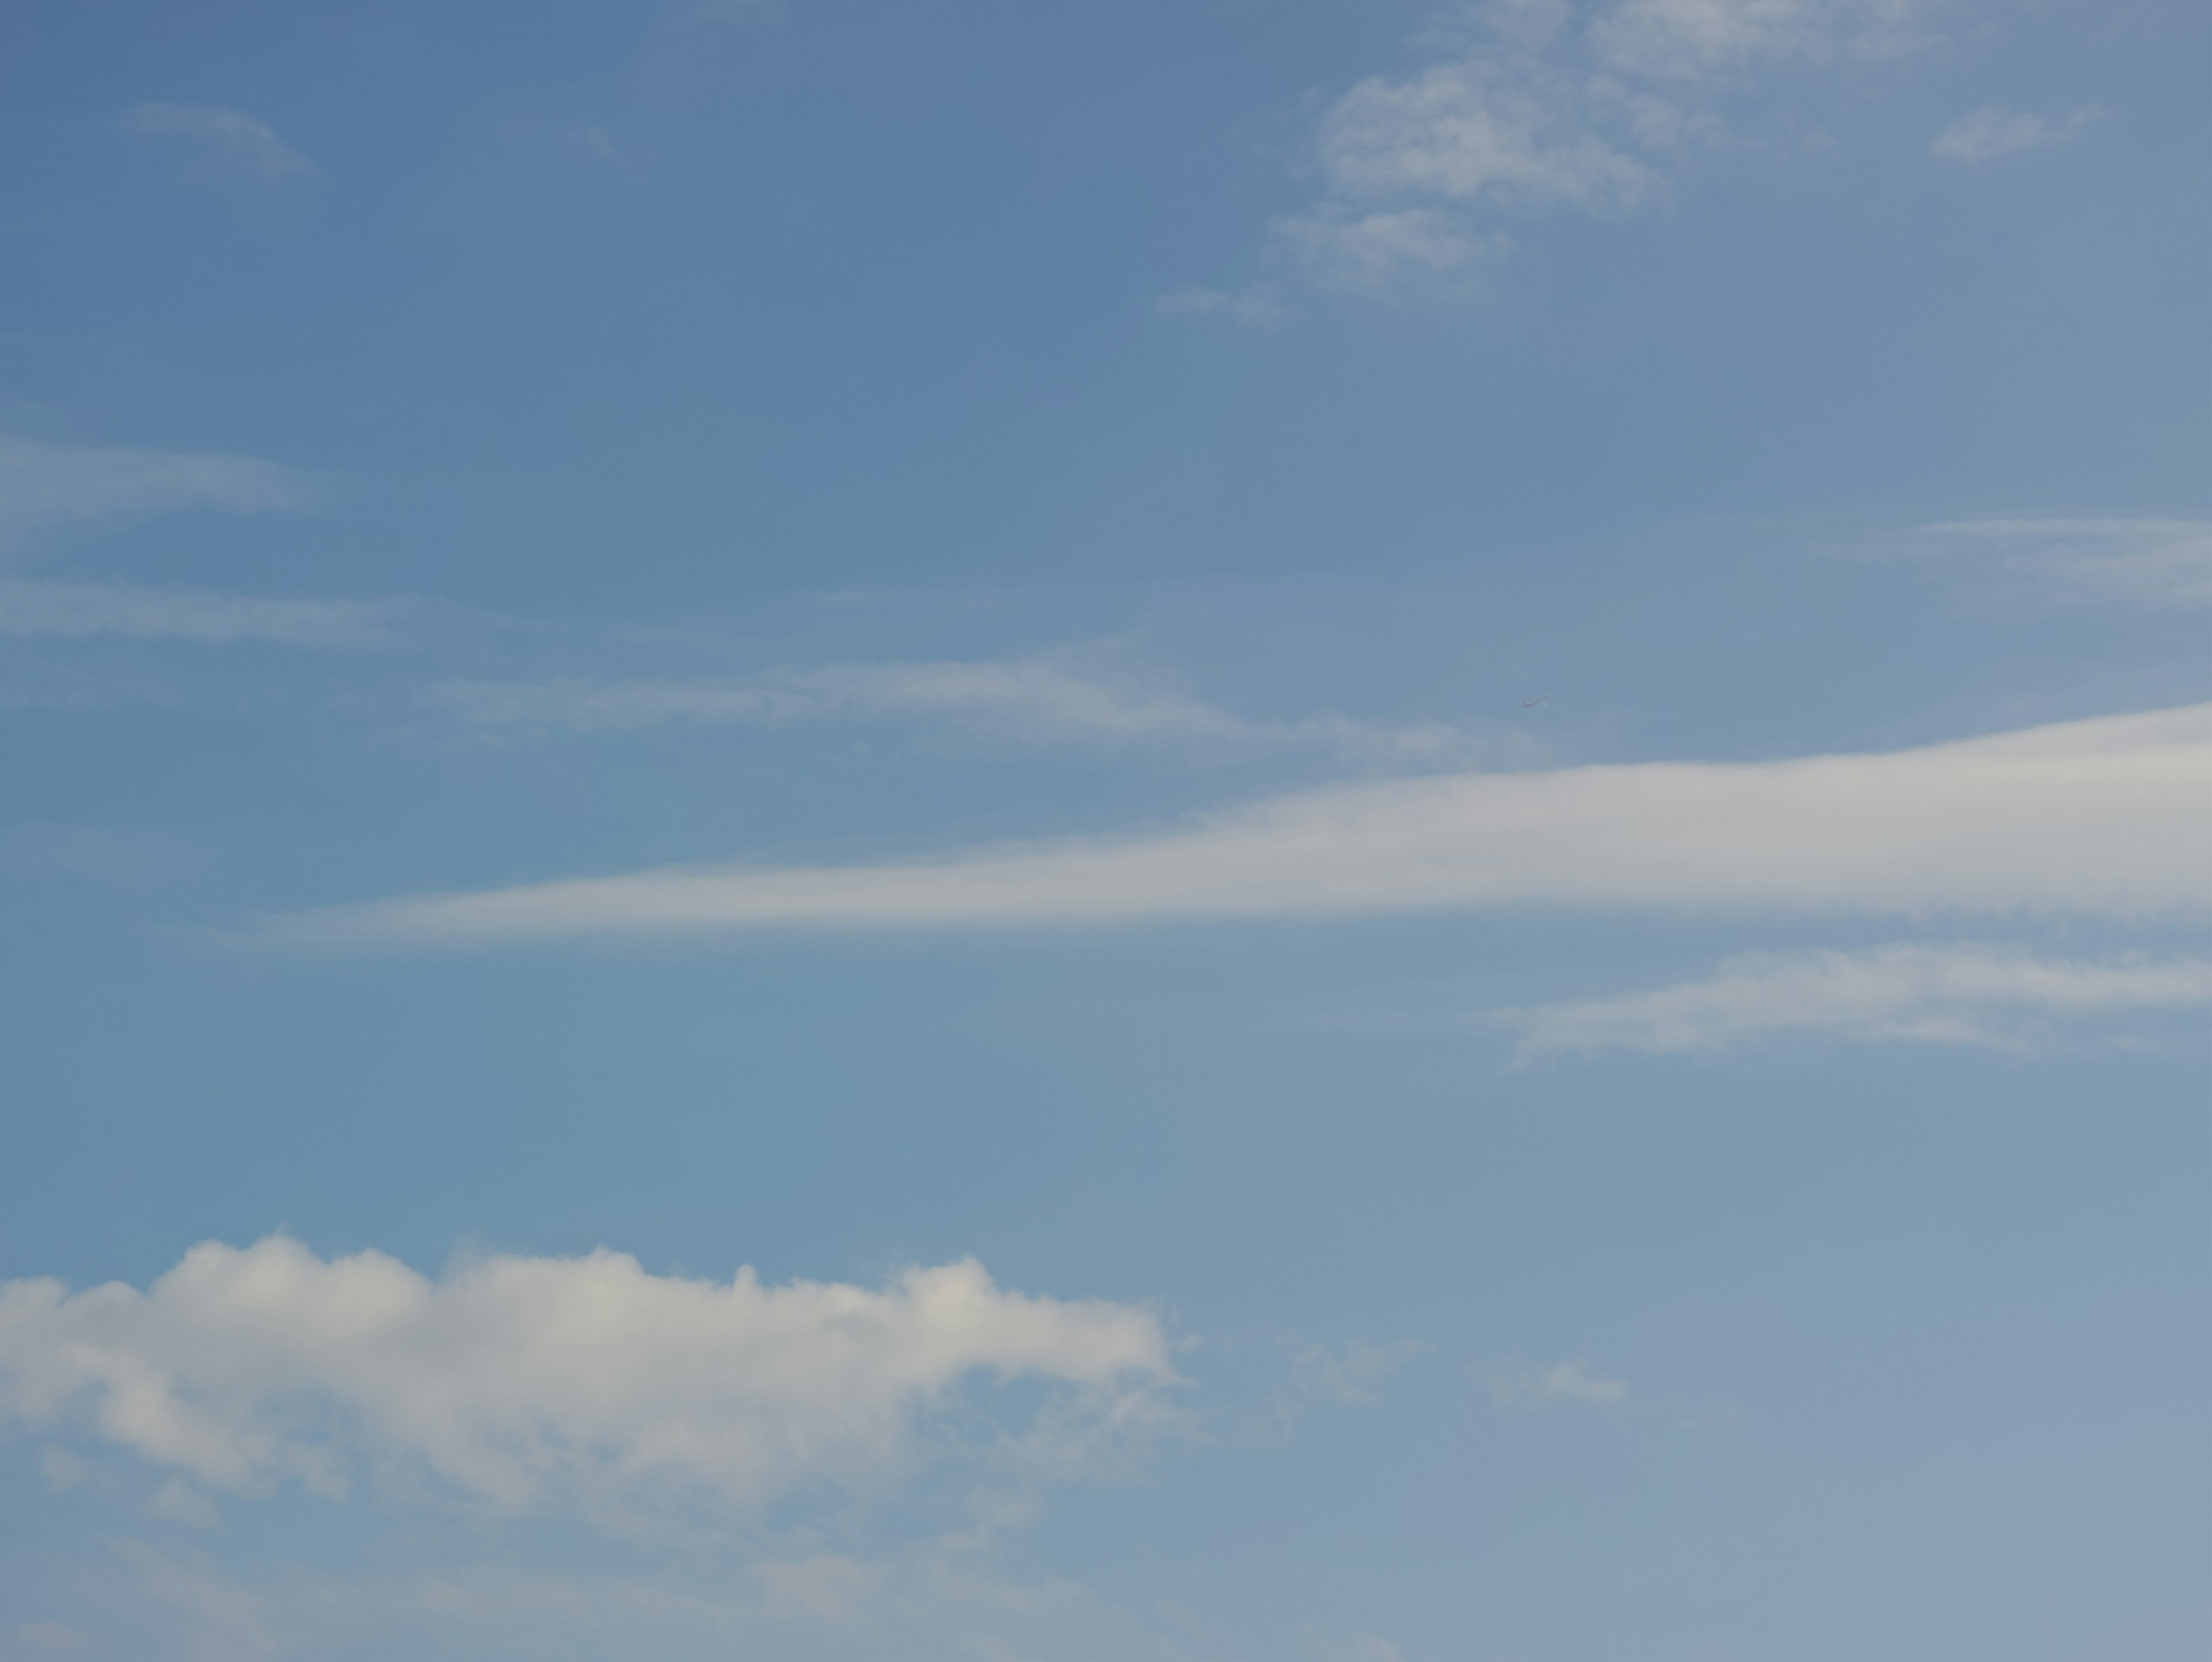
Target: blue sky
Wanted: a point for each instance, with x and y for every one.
(1221, 831)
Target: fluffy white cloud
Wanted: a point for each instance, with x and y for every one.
(1987, 134)
(193, 615)
(2149, 562)
(2112, 816)
(1035, 701)
(1940, 994)
(230, 139)
(47, 488)
(529, 1380)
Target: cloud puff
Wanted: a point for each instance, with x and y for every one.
(1035, 702)
(48, 488)
(2148, 562)
(1936, 995)
(530, 1381)
(1987, 134)
(230, 139)
(2110, 816)
(194, 615)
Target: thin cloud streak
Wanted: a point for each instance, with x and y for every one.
(1992, 134)
(2111, 816)
(196, 616)
(1967, 994)
(48, 488)
(228, 139)
(2136, 560)
(1032, 702)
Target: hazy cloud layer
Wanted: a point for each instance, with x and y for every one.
(1991, 134)
(2109, 816)
(226, 140)
(937, 1601)
(1523, 1384)
(529, 1381)
(1033, 702)
(1967, 994)
(194, 615)
(2145, 561)
(49, 487)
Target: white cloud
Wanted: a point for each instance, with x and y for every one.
(2148, 562)
(228, 139)
(1037, 701)
(1987, 134)
(2106, 816)
(1521, 1385)
(1966, 994)
(193, 615)
(1510, 130)
(49, 487)
(1371, 251)
(1539, 112)
(528, 1381)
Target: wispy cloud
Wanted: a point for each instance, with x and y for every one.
(1990, 134)
(2106, 816)
(1967, 994)
(1032, 702)
(46, 488)
(1522, 1385)
(195, 616)
(578, 1384)
(226, 139)
(1548, 106)
(2147, 562)
(936, 1599)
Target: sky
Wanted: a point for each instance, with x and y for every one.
(1220, 832)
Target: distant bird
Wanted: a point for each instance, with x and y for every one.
(1531, 703)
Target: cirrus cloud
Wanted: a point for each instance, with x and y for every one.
(228, 139)
(1963, 995)
(2111, 816)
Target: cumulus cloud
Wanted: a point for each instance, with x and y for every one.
(1990, 134)
(2111, 816)
(194, 615)
(531, 1382)
(1037, 702)
(2147, 562)
(228, 139)
(1521, 1385)
(49, 487)
(1969, 994)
